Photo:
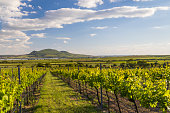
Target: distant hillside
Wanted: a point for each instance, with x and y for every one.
(51, 53)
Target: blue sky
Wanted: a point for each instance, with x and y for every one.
(94, 27)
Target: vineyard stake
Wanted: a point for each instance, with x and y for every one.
(12, 73)
(101, 89)
(68, 77)
(19, 77)
(32, 69)
(79, 84)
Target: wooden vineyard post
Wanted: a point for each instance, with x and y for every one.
(32, 69)
(12, 73)
(101, 89)
(19, 77)
(68, 77)
(79, 82)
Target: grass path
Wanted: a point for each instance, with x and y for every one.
(58, 97)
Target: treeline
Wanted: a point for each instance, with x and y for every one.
(141, 64)
(129, 64)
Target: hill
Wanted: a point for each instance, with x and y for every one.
(52, 53)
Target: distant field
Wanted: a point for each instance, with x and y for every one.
(89, 61)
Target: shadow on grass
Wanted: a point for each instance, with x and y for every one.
(31, 109)
(64, 85)
(67, 109)
(78, 109)
(37, 107)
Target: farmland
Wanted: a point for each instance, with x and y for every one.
(84, 76)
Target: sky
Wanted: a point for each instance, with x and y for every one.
(92, 27)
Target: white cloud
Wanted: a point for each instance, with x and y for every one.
(33, 12)
(115, 27)
(92, 35)
(104, 27)
(30, 6)
(27, 13)
(18, 40)
(29, 0)
(39, 7)
(57, 18)
(63, 38)
(10, 8)
(65, 41)
(161, 27)
(13, 40)
(113, 0)
(89, 3)
(24, 4)
(41, 35)
(13, 24)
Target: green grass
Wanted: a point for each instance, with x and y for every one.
(58, 97)
(89, 61)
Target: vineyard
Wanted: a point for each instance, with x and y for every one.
(17, 86)
(148, 87)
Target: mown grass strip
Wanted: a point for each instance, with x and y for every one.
(58, 97)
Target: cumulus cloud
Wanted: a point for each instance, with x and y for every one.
(10, 8)
(13, 25)
(40, 35)
(113, 0)
(115, 27)
(39, 7)
(104, 27)
(92, 35)
(65, 41)
(30, 6)
(63, 38)
(89, 3)
(13, 39)
(159, 27)
(57, 18)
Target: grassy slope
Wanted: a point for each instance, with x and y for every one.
(46, 53)
(58, 97)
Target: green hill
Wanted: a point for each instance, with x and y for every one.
(51, 53)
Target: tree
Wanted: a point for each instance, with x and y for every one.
(86, 65)
(143, 64)
(156, 63)
(90, 66)
(40, 65)
(48, 65)
(131, 63)
(122, 65)
(114, 65)
(97, 65)
(69, 65)
(5, 61)
(80, 64)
